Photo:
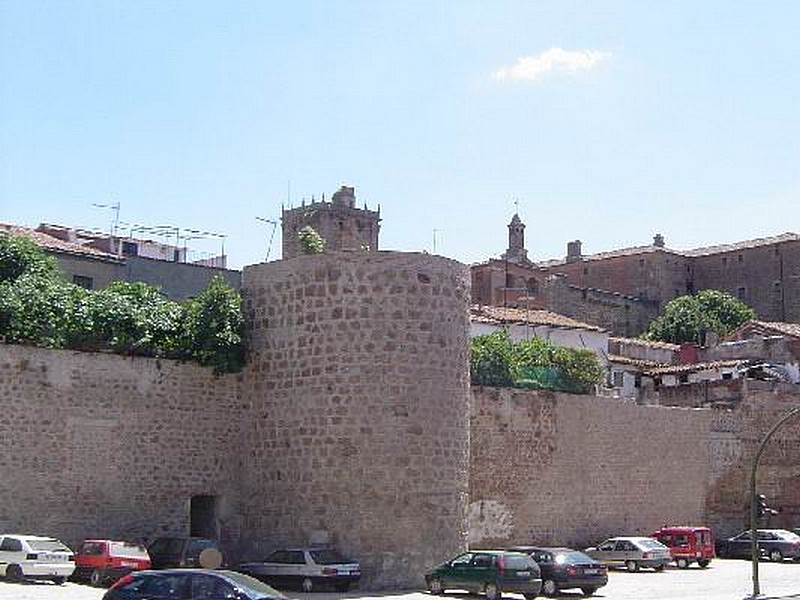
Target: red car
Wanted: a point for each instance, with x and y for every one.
(687, 545)
(104, 561)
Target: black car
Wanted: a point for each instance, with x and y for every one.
(190, 584)
(179, 552)
(775, 544)
(565, 569)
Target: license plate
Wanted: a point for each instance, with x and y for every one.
(591, 571)
(523, 573)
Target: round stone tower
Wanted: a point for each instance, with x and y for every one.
(358, 385)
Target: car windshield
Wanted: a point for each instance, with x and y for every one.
(518, 561)
(572, 558)
(252, 586)
(48, 546)
(166, 546)
(649, 544)
(328, 557)
(127, 549)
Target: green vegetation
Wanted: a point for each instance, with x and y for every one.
(38, 307)
(688, 318)
(496, 360)
(310, 241)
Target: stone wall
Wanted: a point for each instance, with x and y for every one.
(570, 470)
(358, 379)
(99, 445)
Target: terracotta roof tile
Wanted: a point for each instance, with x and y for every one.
(53, 244)
(766, 241)
(694, 367)
(499, 315)
(635, 362)
(646, 343)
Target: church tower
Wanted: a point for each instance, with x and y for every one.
(340, 223)
(516, 251)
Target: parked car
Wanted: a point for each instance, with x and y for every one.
(631, 553)
(306, 568)
(566, 569)
(184, 552)
(775, 544)
(197, 584)
(101, 562)
(490, 572)
(35, 557)
(687, 545)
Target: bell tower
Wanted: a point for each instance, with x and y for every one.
(516, 251)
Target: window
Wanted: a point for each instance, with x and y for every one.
(482, 560)
(130, 248)
(462, 560)
(683, 378)
(296, 557)
(618, 378)
(83, 281)
(741, 293)
(724, 261)
(92, 549)
(641, 262)
(585, 270)
(637, 380)
(728, 375)
(740, 258)
(11, 545)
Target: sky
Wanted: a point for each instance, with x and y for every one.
(602, 121)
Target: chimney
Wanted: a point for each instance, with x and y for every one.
(574, 251)
(658, 240)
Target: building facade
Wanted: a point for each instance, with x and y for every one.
(622, 290)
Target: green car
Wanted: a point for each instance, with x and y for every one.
(489, 572)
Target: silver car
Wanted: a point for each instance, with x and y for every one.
(631, 553)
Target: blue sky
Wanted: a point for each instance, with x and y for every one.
(607, 121)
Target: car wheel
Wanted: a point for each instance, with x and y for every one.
(96, 578)
(307, 585)
(776, 556)
(703, 562)
(14, 573)
(492, 592)
(588, 591)
(682, 563)
(59, 580)
(549, 587)
(632, 566)
(435, 586)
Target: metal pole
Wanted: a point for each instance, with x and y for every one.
(753, 509)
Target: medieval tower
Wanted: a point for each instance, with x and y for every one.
(340, 223)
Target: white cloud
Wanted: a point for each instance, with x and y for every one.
(532, 68)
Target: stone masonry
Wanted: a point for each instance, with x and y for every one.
(358, 381)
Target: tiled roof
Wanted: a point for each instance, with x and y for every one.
(53, 244)
(635, 362)
(694, 367)
(768, 328)
(767, 241)
(646, 343)
(498, 315)
(704, 251)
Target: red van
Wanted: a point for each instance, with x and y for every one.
(687, 545)
(104, 561)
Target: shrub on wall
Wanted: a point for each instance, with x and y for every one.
(496, 360)
(310, 241)
(38, 307)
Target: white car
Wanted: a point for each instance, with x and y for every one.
(35, 556)
(306, 568)
(631, 553)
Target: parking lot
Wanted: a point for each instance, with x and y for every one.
(724, 579)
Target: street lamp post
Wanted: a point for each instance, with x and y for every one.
(753, 503)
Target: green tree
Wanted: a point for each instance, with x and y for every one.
(19, 254)
(214, 328)
(688, 318)
(310, 241)
(492, 359)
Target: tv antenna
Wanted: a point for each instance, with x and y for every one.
(271, 235)
(115, 221)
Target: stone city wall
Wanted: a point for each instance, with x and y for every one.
(100, 445)
(358, 379)
(561, 469)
